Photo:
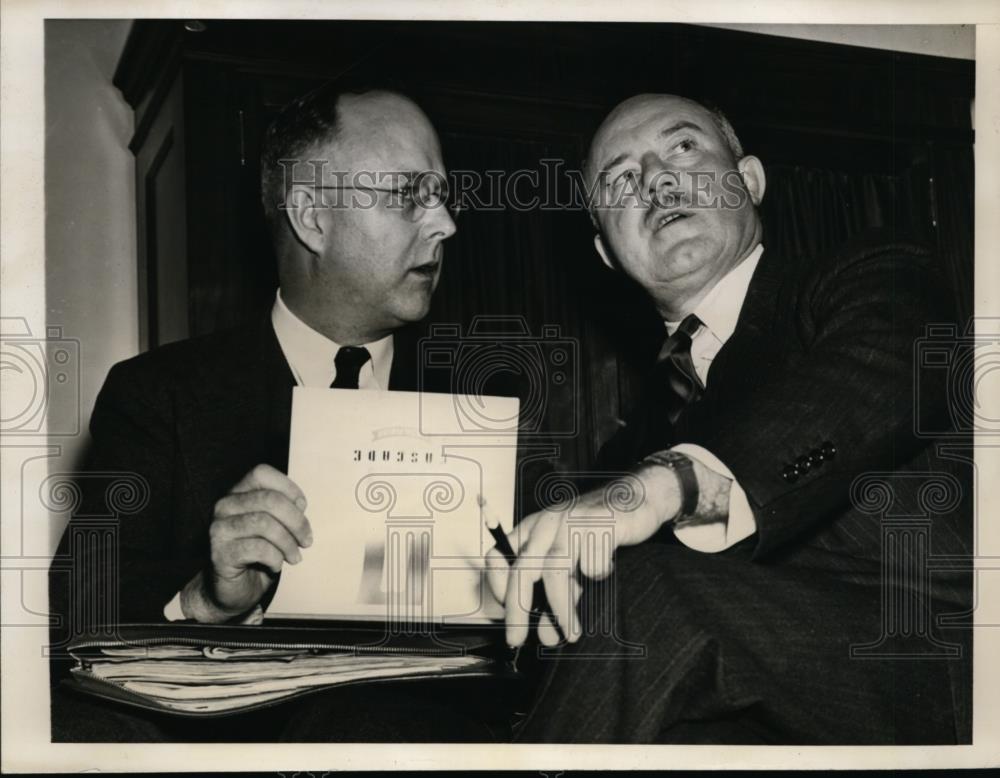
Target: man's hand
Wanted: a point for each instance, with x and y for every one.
(545, 551)
(257, 527)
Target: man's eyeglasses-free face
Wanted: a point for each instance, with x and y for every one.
(421, 192)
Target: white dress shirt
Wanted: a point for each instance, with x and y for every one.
(310, 356)
(719, 312)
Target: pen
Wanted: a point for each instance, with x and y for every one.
(500, 540)
(502, 543)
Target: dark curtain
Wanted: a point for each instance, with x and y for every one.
(953, 208)
(807, 211)
(522, 276)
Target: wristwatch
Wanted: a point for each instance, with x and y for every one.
(684, 469)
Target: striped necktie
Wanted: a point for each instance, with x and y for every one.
(675, 368)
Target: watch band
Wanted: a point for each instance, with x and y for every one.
(682, 466)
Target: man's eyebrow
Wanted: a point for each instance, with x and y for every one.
(679, 126)
(614, 161)
(666, 131)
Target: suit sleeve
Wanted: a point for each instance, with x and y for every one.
(130, 577)
(850, 387)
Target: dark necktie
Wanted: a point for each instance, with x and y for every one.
(675, 368)
(348, 362)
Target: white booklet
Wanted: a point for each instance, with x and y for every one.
(394, 482)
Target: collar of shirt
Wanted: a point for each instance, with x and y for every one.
(719, 311)
(310, 354)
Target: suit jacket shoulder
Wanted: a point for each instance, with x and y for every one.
(822, 357)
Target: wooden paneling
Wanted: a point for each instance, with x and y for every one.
(161, 193)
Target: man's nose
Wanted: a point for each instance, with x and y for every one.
(659, 181)
(438, 223)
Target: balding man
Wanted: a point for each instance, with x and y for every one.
(750, 577)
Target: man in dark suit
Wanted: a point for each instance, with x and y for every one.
(753, 594)
(353, 190)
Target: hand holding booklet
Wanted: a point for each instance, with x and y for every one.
(395, 482)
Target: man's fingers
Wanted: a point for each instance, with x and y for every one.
(535, 544)
(596, 554)
(547, 633)
(263, 525)
(517, 603)
(497, 566)
(251, 551)
(560, 597)
(522, 531)
(497, 573)
(271, 502)
(267, 477)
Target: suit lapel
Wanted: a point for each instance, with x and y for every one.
(403, 375)
(755, 327)
(236, 413)
(407, 374)
(753, 350)
(278, 398)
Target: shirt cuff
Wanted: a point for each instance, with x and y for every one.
(173, 610)
(718, 535)
(253, 618)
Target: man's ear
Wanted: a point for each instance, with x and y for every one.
(603, 251)
(752, 172)
(303, 211)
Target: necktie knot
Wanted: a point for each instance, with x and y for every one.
(348, 364)
(681, 338)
